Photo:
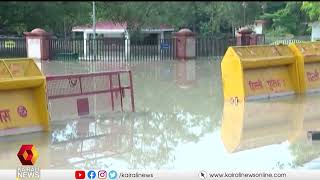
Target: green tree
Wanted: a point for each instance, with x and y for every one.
(312, 9)
(222, 20)
(289, 19)
(57, 17)
(202, 17)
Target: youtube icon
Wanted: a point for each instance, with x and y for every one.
(80, 174)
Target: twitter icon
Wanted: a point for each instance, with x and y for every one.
(113, 174)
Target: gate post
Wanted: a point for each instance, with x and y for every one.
(185, 44)
(37, 42)
(244, 37)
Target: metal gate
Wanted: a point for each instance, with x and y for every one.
(76, 95)
(13, 47)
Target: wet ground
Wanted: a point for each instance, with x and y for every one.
(181, 122)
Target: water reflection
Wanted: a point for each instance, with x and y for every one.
(85, 141)
(256, 124)
(178, 124)
(165, 118)
(186, 74)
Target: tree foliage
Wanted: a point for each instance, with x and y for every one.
(58, 17)
(202, 17)
(312, 9)
(289, 19)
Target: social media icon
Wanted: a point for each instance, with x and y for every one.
(113, 174)
(92, 174)
(102, 174)
(80, 174)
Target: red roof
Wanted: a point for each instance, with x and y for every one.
(112, 25)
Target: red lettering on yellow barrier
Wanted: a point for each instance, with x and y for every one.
(255, 85)
(4, 115)
(22, 111)
(274, 83)
(313, 76)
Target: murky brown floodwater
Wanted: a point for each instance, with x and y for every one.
(180, 123)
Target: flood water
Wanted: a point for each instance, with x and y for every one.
(180, 123)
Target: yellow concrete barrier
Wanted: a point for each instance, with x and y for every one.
(252, 72)
(309, 105)
(23, 102)
(308, 59)
(243, 126)
(290, 120)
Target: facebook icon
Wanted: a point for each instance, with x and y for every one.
(91, 174)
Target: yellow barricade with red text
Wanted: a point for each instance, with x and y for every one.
(23, 101)
(308, 59)
(285, 119)
(244, 128)
(264, 71)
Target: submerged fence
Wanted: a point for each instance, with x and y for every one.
(213, 46)
(117, 49)
(120, 49)
(13, 47)
(111, 49)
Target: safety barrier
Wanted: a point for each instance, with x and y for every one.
(252, 72)
(23, 105)
(308, 59)
(83, 94)
(244, 128)
(286, 119)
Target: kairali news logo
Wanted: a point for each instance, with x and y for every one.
(28, 156)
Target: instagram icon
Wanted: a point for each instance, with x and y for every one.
(102, 174)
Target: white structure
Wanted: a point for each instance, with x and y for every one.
(109, 29)
(258, 26)
(315, 32)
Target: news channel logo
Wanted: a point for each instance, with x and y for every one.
(28, 155)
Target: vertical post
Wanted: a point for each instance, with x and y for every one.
(64, 28)
(121, 92)
(131, 92)
(111, 92)
(85, 37)
(244, 4)
(127, 45)
(118, 50)
(108, 48)
(160, 38)
(94, 28)
(80, 85)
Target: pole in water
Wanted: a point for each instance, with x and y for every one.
(94, 28)
(94, 48)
